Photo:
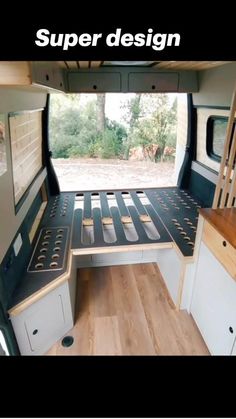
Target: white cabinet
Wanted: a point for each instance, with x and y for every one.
(47, 74)
(214, 303)
(92, 81)
(151, 82)
(44, 322)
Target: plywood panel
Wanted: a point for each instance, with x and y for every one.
(26, 149)
(190, 65)
(83, 64)
(15, 73)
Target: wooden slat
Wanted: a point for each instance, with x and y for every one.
(72, 65)
(96, 63)
(83, 64)
(26, 149)
(62, 64)
(227, 183)
(226, 166)
(190, 65)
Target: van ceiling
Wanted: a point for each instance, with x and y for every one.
(171, 65)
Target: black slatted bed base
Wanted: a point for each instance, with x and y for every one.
(173, 212)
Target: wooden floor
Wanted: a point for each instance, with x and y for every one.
(126, 310)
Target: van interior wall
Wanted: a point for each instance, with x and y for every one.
(216, 86)
(182, 125)
(13, 100)
(214, 98)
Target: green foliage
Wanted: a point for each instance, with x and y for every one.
(105, 147)
(158, 123)
(150, 119)
(119, 135)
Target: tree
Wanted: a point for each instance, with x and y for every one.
(133, 111)
(101, 101)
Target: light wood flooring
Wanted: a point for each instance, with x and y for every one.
(126, 310)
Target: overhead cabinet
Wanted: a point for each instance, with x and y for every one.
(52, 75)
(160, 82)
(94, 82)
(35, 73)
(47, 74)
(127, 79)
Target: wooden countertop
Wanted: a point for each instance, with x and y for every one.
(223, 220)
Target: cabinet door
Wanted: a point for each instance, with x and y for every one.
(42, 73)
(153, 82)
(94, 82)
(214, 303)
(45, 322)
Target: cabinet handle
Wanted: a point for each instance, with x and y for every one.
(231, 329)
(153, 87)
(224, 243)
(35, 331)
(95, 87)
(47, 77)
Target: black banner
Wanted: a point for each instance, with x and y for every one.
(198, 40)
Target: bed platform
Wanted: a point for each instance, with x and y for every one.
(90, 223)
(147, 216)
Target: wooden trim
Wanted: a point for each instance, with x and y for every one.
(124, 219)
(107, 220)
(37, 221)
(145, 218)
(185, 259)
(88, 222)
(181, 286)
(44, 192)
(198, 237)
(117, 249)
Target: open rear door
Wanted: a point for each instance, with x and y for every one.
(8, 345)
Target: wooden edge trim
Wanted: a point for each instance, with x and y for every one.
(185, 259)
(181, 286)
(116, 249)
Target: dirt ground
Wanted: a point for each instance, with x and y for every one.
(91, 174)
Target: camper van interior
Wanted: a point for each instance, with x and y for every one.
(129, 270)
